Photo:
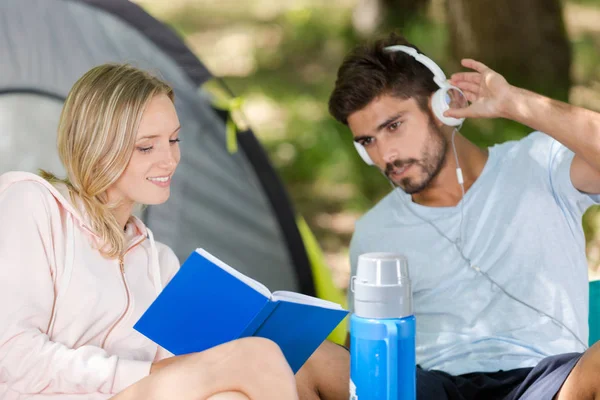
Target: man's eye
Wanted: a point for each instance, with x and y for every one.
(365, 141)
(394, 125)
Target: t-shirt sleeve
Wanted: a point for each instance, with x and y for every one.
(569, 198)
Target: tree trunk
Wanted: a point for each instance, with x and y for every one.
(525, 40)
(400, 13)
(382, 16)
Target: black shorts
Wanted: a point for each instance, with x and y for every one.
(541, 382)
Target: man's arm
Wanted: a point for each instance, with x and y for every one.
(575, 127)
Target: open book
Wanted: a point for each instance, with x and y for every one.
(208, 303)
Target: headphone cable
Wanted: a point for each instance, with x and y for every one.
(457, 244)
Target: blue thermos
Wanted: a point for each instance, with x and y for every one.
(382, 330)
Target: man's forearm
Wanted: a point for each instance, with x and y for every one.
(575, 127)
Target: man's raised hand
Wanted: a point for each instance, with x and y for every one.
(487, 91)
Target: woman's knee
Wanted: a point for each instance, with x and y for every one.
(262, 351)
(229, 396)
(266, 373)
(254, 356)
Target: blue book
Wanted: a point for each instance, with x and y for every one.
(208, 303)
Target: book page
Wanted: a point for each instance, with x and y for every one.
(294, 297)
(259, 287)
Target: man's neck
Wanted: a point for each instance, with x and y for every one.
(444, 190)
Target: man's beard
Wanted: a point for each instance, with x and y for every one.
(432, 160)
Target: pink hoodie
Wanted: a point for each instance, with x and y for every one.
(66, 312)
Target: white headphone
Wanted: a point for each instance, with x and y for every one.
(440, 102)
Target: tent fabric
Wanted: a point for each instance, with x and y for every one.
(233, 205)
(163, 38)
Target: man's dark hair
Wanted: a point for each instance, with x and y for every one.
(369, 72)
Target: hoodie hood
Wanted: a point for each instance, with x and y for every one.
(135, 229)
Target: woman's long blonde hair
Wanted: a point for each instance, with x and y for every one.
(96, 138)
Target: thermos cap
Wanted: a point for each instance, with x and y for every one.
(381, 286)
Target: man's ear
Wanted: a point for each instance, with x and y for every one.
(439, 124)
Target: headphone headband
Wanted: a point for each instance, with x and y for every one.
(438, 75)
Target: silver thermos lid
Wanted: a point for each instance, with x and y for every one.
(381, 286)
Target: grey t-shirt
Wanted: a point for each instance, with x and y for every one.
(522, 226)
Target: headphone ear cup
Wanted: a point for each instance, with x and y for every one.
(445, 98)
(362, 152)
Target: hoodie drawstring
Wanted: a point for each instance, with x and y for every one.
(67, 272)
(154, 264)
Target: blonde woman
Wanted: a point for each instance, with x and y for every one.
(77, 269)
